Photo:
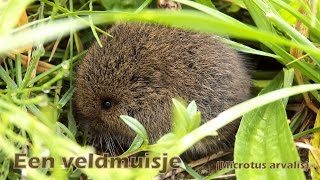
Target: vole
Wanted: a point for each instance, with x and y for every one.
(141, 68)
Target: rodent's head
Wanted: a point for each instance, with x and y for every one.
(123, 78)
(141, 68)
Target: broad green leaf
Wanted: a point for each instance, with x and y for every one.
(164, 143)
(264, 138)
(136, 144)
(136, 126)
(180, 118)
(194, 116)
(192, 108)
(315, 142)
(194, 121)
(185, 119)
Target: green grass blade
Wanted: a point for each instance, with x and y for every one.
(280, 23)
(304, 19)
(66, 97)
(6, 78)
(247, 49)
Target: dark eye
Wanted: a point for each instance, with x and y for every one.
(106, 104)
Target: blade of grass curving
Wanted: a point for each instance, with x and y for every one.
(72, 125)
(215, 13)
(314, 160)
(66, 131)
(287, 82)
(92, 26)
(48, 31)
(247, 49)
(56, 111)
(143, 5)
(192, 172)
(303, 133)
(55, 68)
(305, 6)
(11, 13)
(316, 95)
(259, 17)
(298, 119)
(136, 144)
(304, 67)
(66, 97)
(196, 21)
(33, 65)
(18, 70)
(7, 79)
(186, 19)
(35, 110)
(73, 13)
(200, 22)
(12, 73)
(280, 23)
(304, 19)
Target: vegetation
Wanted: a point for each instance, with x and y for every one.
(42, 41)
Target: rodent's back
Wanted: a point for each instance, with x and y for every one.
(143, 67)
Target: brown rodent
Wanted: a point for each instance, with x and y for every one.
(138, 72)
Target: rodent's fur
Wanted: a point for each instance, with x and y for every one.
(141, 69)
